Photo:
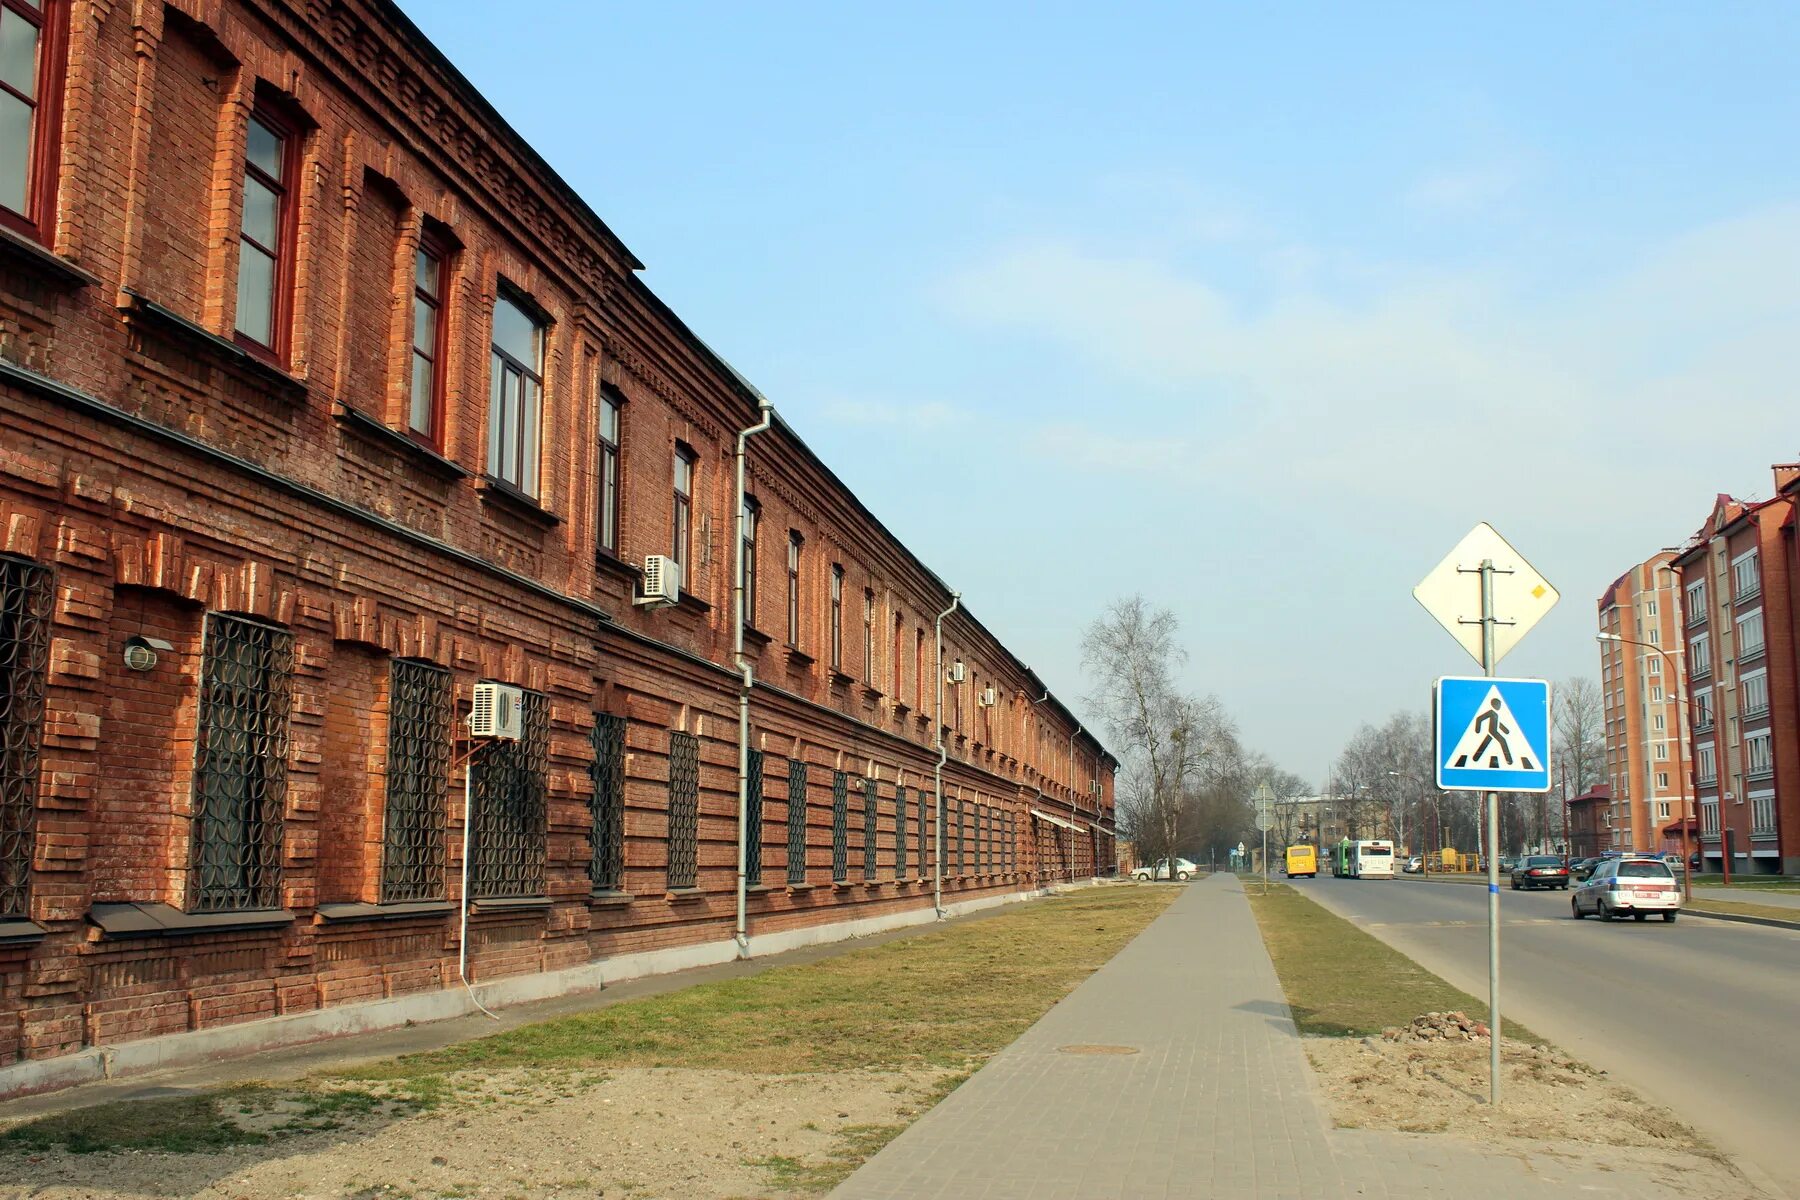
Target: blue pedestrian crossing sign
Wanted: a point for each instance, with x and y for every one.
(1493, 735)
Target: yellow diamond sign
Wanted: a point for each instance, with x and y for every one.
(1452, 592)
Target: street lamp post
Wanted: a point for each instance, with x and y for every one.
(1686, 784)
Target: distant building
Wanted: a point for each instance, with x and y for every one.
(1643, 681)
(1739, 624)
(1588, 813)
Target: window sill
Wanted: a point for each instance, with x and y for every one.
(353, 420)
(692, 603)
(871, 693)
(901, 709)
(610, 899)
(756, 637)
(336, 914)
(42, 260)
(504, 495)
(608, 563)
(165, 920)
(141, 309)
(685, 895)
(758, 889)
(509, 904)
(842, 885)
(799, 659)
(839, 679)
(20, 932)
(794, 889)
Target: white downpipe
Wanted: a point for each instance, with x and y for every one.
(937, 727)
(462, 941)
(746, 680)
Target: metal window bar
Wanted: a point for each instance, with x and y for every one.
(956, 815)
(899, 833)
(606, 870)
(240, 765)
(753, 821)
(25, 597)
(418, 779)
(511, 786)
(924, 832)
(840, 831)
(871, 819)
(796, 822)
(684, 810)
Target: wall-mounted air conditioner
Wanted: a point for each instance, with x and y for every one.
(498, 712)
(956, 671)
(662, 581)
(987, 699)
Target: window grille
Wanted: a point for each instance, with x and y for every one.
(899, 833)
(24, 656)
(606, 873)
(871, 815)
(956, 815)
(511, 808)
(796, 822)
(418, 775)
(753, 818)
(924, 833)
(840, 831)
(240, 765)
(684, 809)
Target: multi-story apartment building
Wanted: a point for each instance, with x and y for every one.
(323, 398)
(1737, 576)
(1643, 683)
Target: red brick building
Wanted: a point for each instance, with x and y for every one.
(1642, 682)
(1590, 822)
(1737, 576)
(323, 398)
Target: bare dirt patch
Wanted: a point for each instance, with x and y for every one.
(1551, 1104)
(622, 1132)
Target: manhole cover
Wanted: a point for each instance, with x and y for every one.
(1090, 1049)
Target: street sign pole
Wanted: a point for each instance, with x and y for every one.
(1493, 863)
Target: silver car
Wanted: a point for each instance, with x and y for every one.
(1638, 886)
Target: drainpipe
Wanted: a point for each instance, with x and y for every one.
(746, 680)
(937, 726)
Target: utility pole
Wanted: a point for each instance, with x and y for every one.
(1488, 621)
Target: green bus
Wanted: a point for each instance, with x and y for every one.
(1341, 855)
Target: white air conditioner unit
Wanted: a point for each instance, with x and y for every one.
(987, 698)
(662, 581)
(498, 712)
(956, 671)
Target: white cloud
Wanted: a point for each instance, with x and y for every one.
(1472, 187)
(927, 417)
(1090, 449)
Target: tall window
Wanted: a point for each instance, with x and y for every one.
(1705, 765)
(31, 64)
(418, 775)
(1750, 635)
(871, 820)
(684, 810)
(924, 831)
(25, 599)
(511, 787)
(611, 434)
(606, 871)
(752, 517)
(795, 541)
(240, 765)
(796, 822)
(894, 660)
(1703, 715)
(681, 549)
(869, 636)
(1695, 601)
(1699, 655)
(753, 820)
(840, 827)
(265, 239)
(919, 671)
(425, 406)
(1757, 760)
(1745, 580)
(515, 396)
(899, 833)
(837, 617)
(1753, 693)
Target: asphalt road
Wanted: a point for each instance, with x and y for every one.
(1701, 1016)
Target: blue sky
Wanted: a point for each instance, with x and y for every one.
(1252, 309)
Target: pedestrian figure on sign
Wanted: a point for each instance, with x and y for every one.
(1493, 730)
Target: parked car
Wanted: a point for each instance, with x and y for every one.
(1618, 886)
(1540, 870)
(1414, 865)
(1509, 863)
(1581, 868)
(1183, 870)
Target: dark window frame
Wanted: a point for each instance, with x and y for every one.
(681, 547)
(840, 827)
(508, 847)
(280, 119)
(502, 365)
(684, 811)
(869, 636)
(38, 221)
(421, 698)
(606, 805)
(837, 617)
(752, 525)
(437, 245)
(753, 819)
(796, 547)
(796, 823)
(871, 825)
(611, 469)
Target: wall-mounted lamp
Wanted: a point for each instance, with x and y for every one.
(140, 651)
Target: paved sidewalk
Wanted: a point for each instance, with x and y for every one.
(1217, 1101)
(1744, 895)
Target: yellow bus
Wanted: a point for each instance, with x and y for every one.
(1302, 860)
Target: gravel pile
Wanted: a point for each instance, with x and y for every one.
(1438, 1027)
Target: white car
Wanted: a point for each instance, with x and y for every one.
(1638, 886)
(1183, 870)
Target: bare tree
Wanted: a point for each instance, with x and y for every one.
(1131, 653)
(1580, 747)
